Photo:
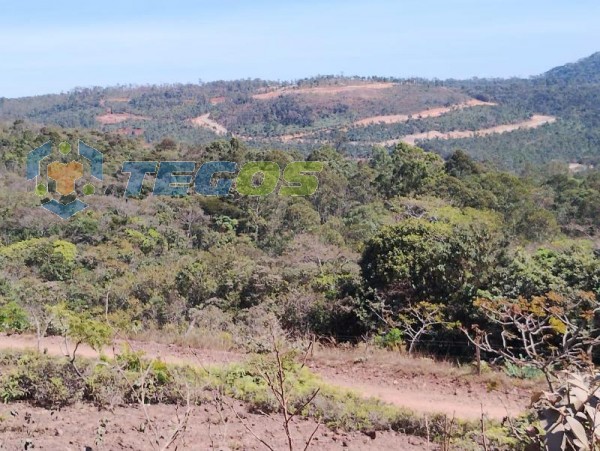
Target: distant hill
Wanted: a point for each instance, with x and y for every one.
(586, 70)
(496, 120)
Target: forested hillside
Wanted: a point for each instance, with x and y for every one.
(378, 237)
(493, 120)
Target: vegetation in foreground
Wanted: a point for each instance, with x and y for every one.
(132, 379)
(435, 256)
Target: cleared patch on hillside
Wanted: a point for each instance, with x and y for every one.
(322, 90)
(296, 136)
(217, 100)
(537, 120)
(574, 168)
(116, 118)
(288, 113)
(206, 122)
(130, 131)
(393, 118)
(431, 112)
(118, 99)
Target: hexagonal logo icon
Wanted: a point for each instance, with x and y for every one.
(62, 176)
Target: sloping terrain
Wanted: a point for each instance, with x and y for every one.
(386, 120)
(536, 120)
(354, 88)
(117, 118)
(351, 113)
(205, 121)
(451, 394)
(433, 112)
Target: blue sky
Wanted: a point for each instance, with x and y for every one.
(54, 46)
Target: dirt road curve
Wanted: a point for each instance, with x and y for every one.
(422, 393)
(427, 395)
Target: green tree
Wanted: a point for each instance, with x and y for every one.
(407, 170)
(445, 258)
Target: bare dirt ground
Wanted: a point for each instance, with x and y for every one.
(118, 99)
(418, 384)
(578, 167)
(116, 118)
(421, 384)
(84, 427)
(176, 355)
(535, 121)
(217, 100)
(432, 112)
(205, 121)
(322, 90)
(298, 136)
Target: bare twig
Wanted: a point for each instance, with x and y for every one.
(249, 429)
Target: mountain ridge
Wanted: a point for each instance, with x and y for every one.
(342, 112)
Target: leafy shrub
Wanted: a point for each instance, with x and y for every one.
(13, 318)
(150, 241)
(44, 381)
(52, 260)
(10, 388)
(105, 387)
(392, 339)
(522, 371)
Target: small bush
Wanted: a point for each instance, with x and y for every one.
(391, 340)
(13, 319)
(46, 382)
(522, 371)
(11, 389)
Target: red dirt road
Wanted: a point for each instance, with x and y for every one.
(422, 391)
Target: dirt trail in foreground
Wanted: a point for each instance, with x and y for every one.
(422, 393)
(428, 394)
(171, 354)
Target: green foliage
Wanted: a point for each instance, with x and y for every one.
(392, 339)
(522, 371)
(407, 170)
(52, 259)
(563, 266)
(13, 318)
(444, 260)
(46, 382)
(149, 241)
(81, 328)
(11, 389)
(461, 230)
(20, 249)
(68, 251)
